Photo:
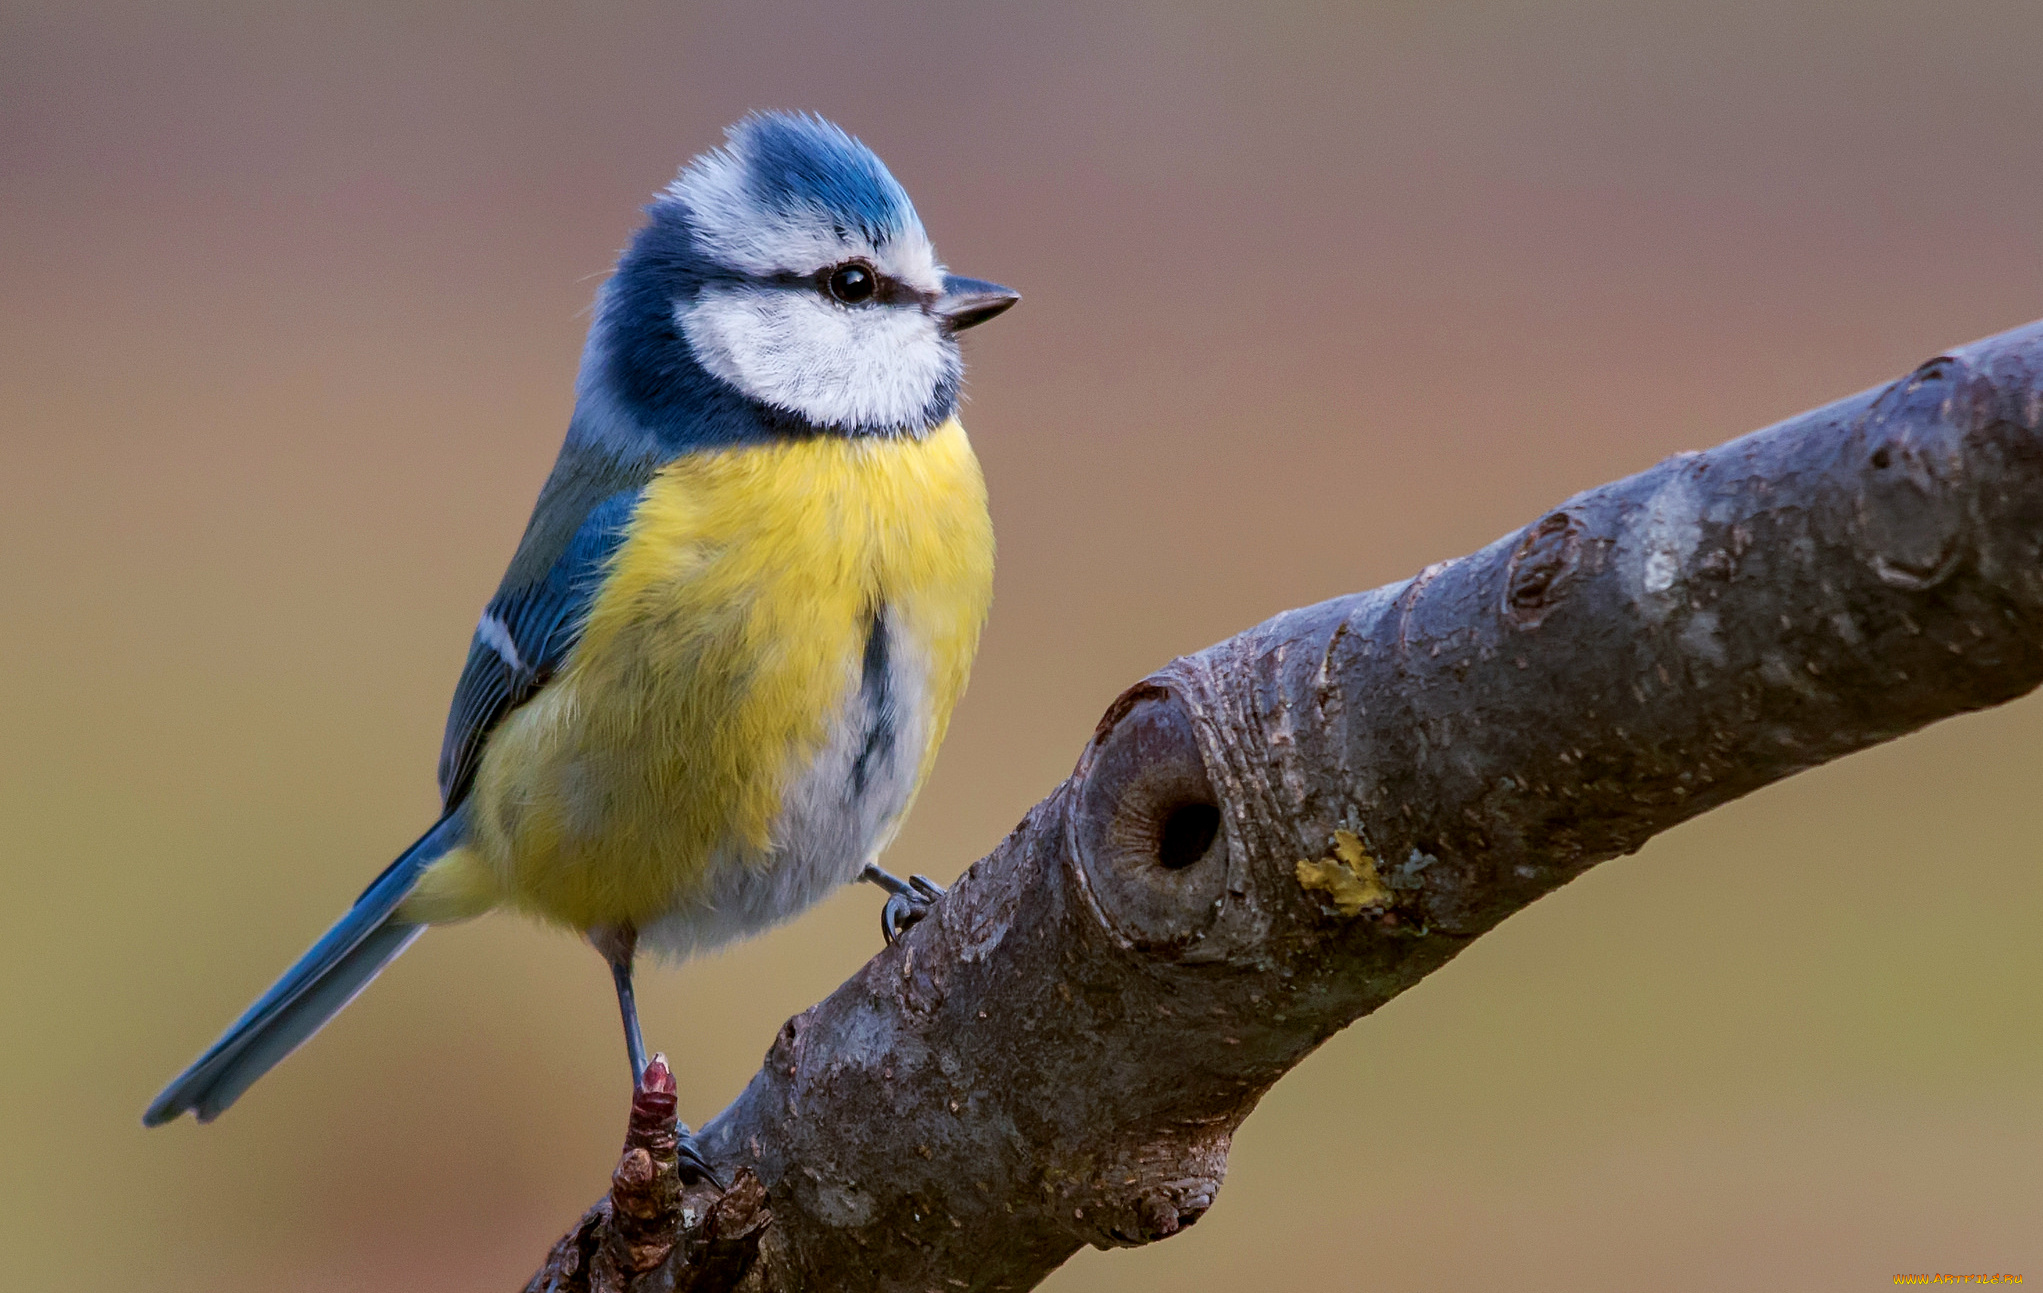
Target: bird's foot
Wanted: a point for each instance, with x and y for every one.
(695, 1168)
(905, 908)
(907, 900)
(907, 905)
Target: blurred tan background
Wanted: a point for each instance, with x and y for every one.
(290, 302)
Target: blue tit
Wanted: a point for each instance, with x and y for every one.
(725, 652)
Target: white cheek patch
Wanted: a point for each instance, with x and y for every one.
(868, 366)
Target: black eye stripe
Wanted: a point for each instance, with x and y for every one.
(886, 291)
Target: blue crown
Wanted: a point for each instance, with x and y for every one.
(795, 162)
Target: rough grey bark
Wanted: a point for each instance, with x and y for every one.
(1267, 840)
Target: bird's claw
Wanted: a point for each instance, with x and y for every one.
(695, 1167)
(908, 905)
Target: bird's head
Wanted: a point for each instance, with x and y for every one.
(790, 268)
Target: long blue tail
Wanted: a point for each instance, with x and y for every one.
(311, 992)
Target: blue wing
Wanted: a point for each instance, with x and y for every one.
(525, 634)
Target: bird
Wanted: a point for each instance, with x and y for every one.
(727, 647)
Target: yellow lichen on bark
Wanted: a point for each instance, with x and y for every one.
(1348, 876)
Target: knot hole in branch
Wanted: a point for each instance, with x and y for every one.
(1149, 825)
(1541, 569)
(1911, 523)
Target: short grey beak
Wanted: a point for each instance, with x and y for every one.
(969, 302)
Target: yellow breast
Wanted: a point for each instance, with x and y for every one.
(724, 643)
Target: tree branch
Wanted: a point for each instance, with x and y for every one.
(1269, 839)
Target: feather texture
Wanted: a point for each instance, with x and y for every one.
(722, 658)
(525, 634)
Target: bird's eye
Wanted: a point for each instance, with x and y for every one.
(853, 283)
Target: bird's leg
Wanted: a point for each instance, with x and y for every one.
(619, 945)
(907, 901)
